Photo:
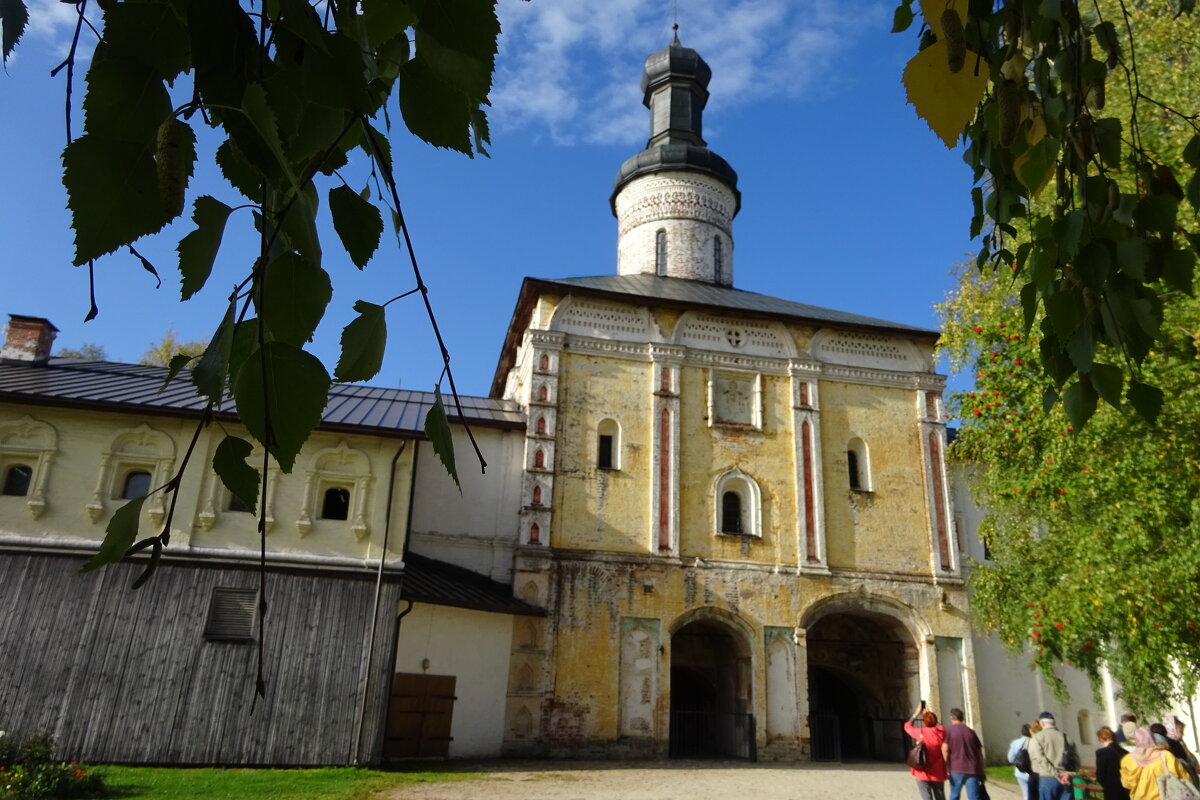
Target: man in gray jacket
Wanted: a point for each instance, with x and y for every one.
(1045, 757)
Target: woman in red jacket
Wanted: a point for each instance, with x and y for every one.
(924, 727)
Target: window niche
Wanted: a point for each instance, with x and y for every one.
(220, 501)
(335, 490)
(27, 449)
(858, 465)
(608, 445)
(737, 505)
(139, 460)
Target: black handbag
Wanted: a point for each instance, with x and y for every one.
(917, 758)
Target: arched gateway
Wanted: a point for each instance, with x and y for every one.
(711, 691)
(863, 673)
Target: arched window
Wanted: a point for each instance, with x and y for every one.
(731, 513)
(660, 252)
(737, 505)
(608, 445)
(718, 258)
(541, 425)
(535, 534)
(539, 459)
(137, 484)
(16, 480)
(537, 495)
(858, 465)
(543, 393)
(544, 362)
(335, 503)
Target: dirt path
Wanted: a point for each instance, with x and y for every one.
(676, 780)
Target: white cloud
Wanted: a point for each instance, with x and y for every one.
(52, 24)
(569, 71)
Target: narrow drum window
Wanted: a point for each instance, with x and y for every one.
(541, 425)
(137, 484)
(16, 480)
(336, 503)
(852, 466)
(731, 513)
(660, 252)
(718, 257)
(604, 458)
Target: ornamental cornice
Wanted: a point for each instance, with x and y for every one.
(763, 364)
(635, 351)
(550, 340)
(881, 377)
(803, 368)
(667, 352)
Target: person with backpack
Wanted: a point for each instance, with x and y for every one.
(1018, 756)
(1053, 757)
(931, 779)
(1145, 764)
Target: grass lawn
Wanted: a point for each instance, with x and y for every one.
(1001, 774)
(333, 783)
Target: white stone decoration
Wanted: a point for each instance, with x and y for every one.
(140, 448)
(750, 495)
(31, 442)
(743, 337)
(600, 319)
(692, 210)
(869, 350)
(735, 398)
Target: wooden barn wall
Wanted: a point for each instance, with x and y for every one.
(127, 677)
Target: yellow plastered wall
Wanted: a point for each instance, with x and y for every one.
(888, 527)
(202, 517)
(602, 509)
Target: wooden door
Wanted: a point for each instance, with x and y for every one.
(419, 714)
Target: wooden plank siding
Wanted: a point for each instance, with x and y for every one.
(126, 676)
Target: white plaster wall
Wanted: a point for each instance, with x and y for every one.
(477, 528)
(473, 646)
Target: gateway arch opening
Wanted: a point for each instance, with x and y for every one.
(862, 675)
(711, 697)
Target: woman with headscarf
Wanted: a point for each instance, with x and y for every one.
(931, 781)
(1141, 769)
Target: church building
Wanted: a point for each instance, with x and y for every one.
(734, 507)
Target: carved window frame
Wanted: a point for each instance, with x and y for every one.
(750, 495)
(33, 443)
(132, 450)
(340, 467)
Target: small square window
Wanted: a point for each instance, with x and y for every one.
(16, 480)
(231, 615)
(335, 503)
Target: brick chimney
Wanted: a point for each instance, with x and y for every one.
(28, 339)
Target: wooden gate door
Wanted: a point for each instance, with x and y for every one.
(419, 714)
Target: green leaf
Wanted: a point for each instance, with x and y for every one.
(1079, 400)
(432, 109)
(1081, 347)
(1108, 381)
(119, 535)
(151, 565)
(1029, 304)
(1131, 257)
(296, 293)
(385, 20)
(1070, 230)
(213, 367)
(240, 173)
(13, 18)
(1146, 399)
(224, 50)
(241, 479)
(1178, 269)
(176, 365)
(377, 146)
(460, 47)
(318, 131)
(198, 250)
(1108, 141)
(260, 141)
(280, 392)
(299, 227)
(902, 18)
(1157, 212)
(1191, 151)
(363, 343)
(437, 430)
(1094, 263)
(125, 100)
(151, 33)
(358, 223)
(112, 192)
(1049, 399)
(1063, 312)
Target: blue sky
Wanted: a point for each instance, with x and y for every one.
(848, 200)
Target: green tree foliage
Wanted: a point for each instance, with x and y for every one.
(297, 96)
(168, 347)
(1091, 530)
(1071, 113)
(88, 351)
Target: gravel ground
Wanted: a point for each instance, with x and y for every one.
(680, 780)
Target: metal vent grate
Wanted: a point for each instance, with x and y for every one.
(231, 615)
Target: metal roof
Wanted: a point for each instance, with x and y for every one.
(699, 293)
(136, 388)
(427, 580)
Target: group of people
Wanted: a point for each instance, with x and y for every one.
(1129, 762)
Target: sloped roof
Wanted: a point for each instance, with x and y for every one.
(136, 388)
(685, 293)
(427, 580)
